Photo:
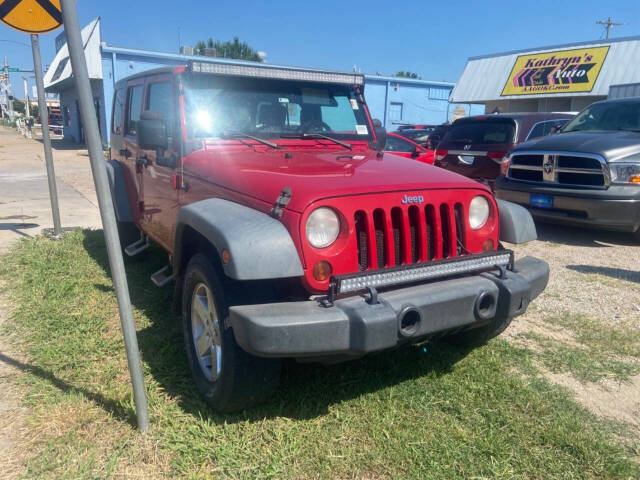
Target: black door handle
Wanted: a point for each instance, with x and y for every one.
(125, 152)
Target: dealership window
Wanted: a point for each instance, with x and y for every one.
(134, 107)
(439, 93)
(395, 111)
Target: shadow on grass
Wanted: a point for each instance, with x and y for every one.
(306, 390)
(111, 406)
(617, 273)
(582, 237)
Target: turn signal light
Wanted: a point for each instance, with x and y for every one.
(487, 246)
(634, 179)
(440, 154)
(322, 271)
(496, 155)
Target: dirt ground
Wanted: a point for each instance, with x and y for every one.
(593, 273)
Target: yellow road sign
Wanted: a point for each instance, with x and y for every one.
(31, 16)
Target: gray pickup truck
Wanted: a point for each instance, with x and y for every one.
(587, 175)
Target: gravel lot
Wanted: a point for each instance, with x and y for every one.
(595, 274)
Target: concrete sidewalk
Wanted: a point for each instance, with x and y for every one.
(25, 207)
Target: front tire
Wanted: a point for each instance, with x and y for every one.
(227, 377)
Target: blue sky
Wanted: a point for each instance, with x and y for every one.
(433, 39)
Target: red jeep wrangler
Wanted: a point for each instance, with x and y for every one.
(290, 233)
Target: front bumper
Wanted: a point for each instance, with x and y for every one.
(615, 208)
(352, 327)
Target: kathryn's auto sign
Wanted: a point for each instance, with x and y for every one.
(563, 71)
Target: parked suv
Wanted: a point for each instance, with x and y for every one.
(588, 174)
(476, 146)
(290, 233)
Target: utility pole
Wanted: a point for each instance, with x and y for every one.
(608, 23)
(27, 107)
(8, 84)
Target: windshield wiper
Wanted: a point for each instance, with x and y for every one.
(316, 135)
(239, 135)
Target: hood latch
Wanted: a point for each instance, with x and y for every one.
(281, 202)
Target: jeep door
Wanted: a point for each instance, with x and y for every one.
(158, 168)
(125, 145)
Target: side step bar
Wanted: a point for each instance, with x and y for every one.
(137, 247)
(160, 278)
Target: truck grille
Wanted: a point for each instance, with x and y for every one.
(562, 169)
(404, 236)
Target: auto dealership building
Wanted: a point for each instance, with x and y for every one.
(395, 101)
(560, 78)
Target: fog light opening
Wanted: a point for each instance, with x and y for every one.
(409, 322)
(485, 306)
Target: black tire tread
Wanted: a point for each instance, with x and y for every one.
(245, 380)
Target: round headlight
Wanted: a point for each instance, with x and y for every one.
(323, 227)
(478, 212)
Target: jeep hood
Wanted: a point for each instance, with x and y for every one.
(313, 176)
(612, 145)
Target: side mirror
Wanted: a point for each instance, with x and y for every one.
(381, 135)
(415, 153)
(152, 132)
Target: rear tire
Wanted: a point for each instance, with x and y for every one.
(636, 235)
(228, 378)
(476, 337)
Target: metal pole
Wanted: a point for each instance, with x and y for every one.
(98, 168)
(46, 139)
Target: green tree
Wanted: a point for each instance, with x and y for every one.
(407, 74)
(229, 49)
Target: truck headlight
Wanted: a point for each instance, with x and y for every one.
(625, 173)
(323, 227)
(478, 212)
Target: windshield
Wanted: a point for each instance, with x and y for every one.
(216, 106)
(607, 116)
(482, 132)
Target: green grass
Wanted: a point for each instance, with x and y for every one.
(585, 364)
(430, 411)
(598, 349)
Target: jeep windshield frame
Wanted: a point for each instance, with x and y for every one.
(606, 116)
(272, 108)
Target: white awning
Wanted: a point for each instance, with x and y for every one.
(59, 75)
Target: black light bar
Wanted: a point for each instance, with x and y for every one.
(281, 73)
(437, 269)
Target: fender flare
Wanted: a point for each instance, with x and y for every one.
(260, 246)
(118, 191)
(516, 223)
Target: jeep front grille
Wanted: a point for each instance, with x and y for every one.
(408, 235)
(559, 169)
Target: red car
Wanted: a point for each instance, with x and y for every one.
(404, 147)
(290, 234)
